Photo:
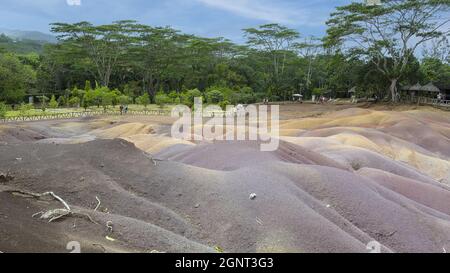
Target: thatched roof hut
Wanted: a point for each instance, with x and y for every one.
(405, 87)
(430, 88)
(416, 87)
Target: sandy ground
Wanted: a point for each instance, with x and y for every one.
(343, 176)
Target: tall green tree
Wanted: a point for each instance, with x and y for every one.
(104, 45)
(276, 41)
(16, 79)
(389, 34)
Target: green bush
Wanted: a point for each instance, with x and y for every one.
(87, 85)
(227, 93)
(247, 90)
(162, 99)
(75, 92)
(214, 96)
(107, 99)
(61, 101)
(90, 99)
(53, 103)
(3, 109)
(43, 100)
(123, 99)
(24, 108)
(189, 96)
(115, 95)
(223, 104)
(143, 100)
(74, 101)
(101, 96)
(174, 96)
(246, 98)
(318, 91)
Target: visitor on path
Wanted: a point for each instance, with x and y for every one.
(439, 98)
(126, 109)
(121, 109)
(322, 99)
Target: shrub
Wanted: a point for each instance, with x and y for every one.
(53, 103)
(246, 98)
(144, 100)
(115, 94)
(24, 108)
(227, 93)
(174, 96)
(189, 96)
(100, 96)
(107, 99)
(214, 96)
(3, 109)
(318, 91)
(247, 90)
(61, 101)
(78, 93)
(123, 99)
(43, 100)
(223, 104)
(87, 85)
(74, 102)
(161, 99)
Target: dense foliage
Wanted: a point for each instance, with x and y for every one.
(126, 62)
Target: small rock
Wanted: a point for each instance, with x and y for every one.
(328, 206)
(5, 177)
(19, 159)
(82, 179)
(197, 206)
(102, 165)
(252, 196)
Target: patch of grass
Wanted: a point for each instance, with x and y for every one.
(39, 112)
(218, 249)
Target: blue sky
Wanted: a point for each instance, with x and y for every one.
(209, 18)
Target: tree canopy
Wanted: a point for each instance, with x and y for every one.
(372, 47)
(388, 35)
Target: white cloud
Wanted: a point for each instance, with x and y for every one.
(260, 10)
(73, 2)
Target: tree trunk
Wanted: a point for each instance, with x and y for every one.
(393, 89)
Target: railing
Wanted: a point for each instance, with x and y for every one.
(432, 101)
(69, 115)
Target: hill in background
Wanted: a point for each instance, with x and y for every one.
(21, 35)
(23, 42)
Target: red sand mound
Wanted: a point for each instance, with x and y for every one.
(226, 155)
(174, 207)
(340, 181)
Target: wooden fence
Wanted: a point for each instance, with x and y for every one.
(442, 104)
(70, 115)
